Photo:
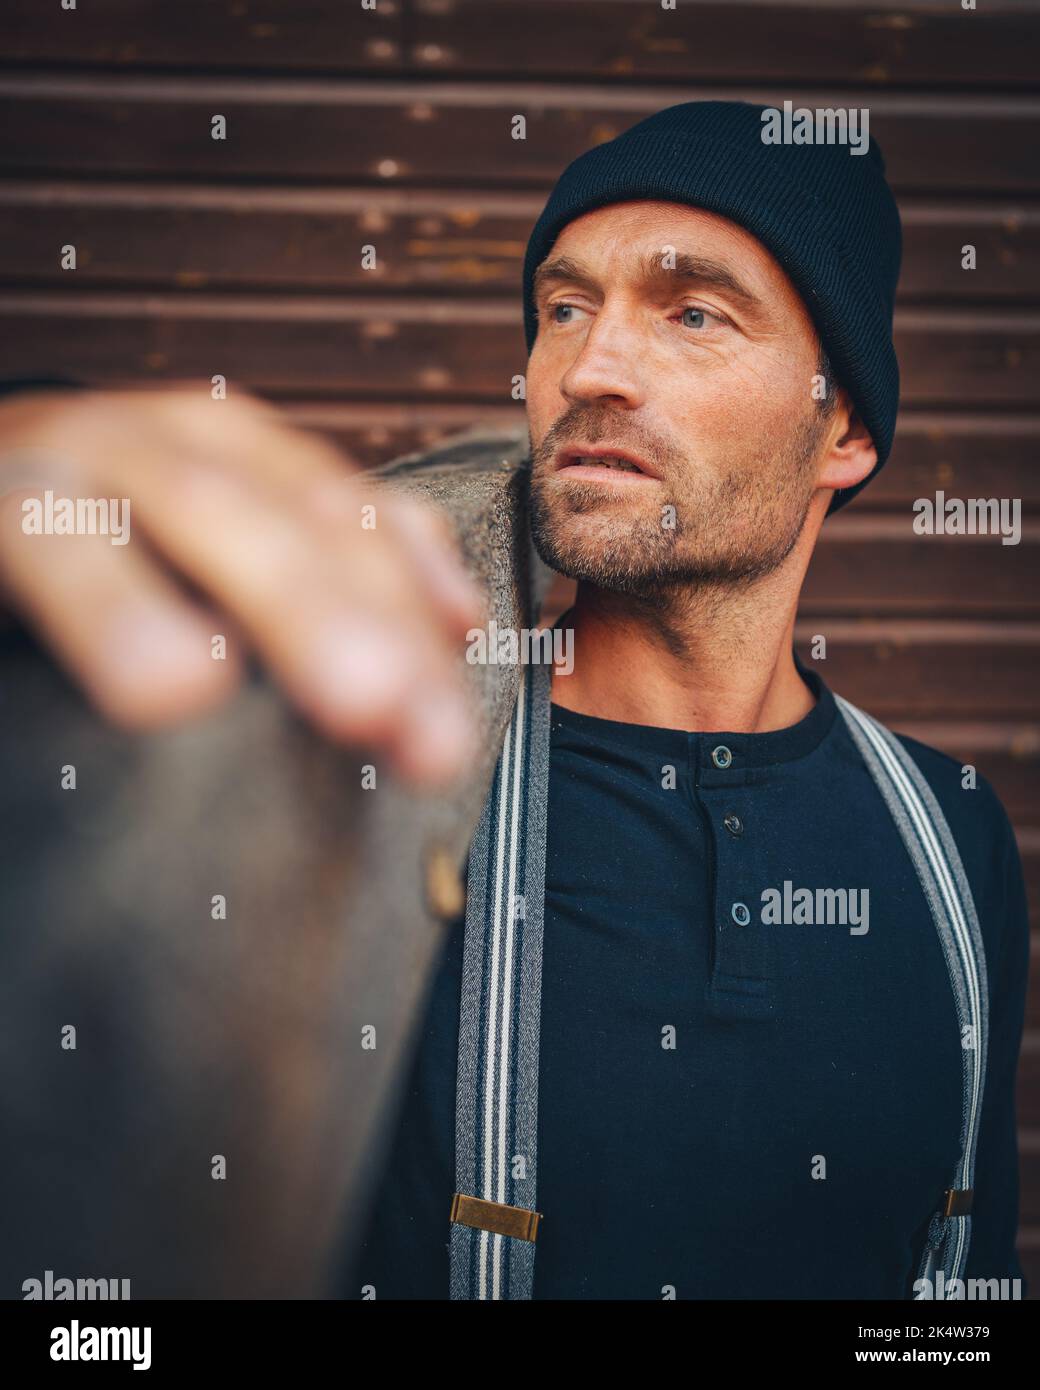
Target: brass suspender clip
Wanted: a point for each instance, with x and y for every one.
(501, 1220)
(958, 1201)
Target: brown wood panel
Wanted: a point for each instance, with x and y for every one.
(199, 257)
(864, 43)
(876, 566)
(963, 455)
(969, 358)
(437, 348)
(918, 41)
(284, 238)
(259, 34)
(450, 133)
(1005, 237)
(928, 670)
(433, 348)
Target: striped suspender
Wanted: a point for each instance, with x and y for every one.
(494, 1224)
(494, 1218)
(931, 847)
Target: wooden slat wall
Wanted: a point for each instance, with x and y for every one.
(392, 127)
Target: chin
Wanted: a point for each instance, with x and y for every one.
(610, 551)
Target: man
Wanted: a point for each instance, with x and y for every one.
(725, 1107)
(647, 1075)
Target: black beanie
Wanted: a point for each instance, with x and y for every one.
(825, 212)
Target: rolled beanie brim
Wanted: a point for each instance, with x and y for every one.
(747, 183)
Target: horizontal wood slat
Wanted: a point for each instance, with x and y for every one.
(432, 347)
(928, 670)
(912, 42)
(867, 565)
(965, 456)
(451, 133)
(719, 42)
(283, 238)
(258, 34)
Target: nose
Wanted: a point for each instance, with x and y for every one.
(606, 368)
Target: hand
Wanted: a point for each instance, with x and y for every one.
(243, 527)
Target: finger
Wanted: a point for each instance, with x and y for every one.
(248, 435)
(428, 547)
(308, 473)
(139, 648)
(183, 424)
(352, 646)
(352, 643)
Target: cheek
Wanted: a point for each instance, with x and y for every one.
(712, 416)
(736, 412)
(777, 382)
(542, 395)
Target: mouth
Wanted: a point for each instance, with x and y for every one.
(586, 461)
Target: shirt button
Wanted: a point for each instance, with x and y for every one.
(740, 914)
(733, 824)
(721, 756)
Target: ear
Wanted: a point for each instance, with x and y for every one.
(851, 455)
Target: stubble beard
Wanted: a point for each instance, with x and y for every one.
(729, 531)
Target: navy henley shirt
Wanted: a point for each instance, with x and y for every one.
(731, 1109)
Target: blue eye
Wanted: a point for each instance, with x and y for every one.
(699, 318)
(558, 308)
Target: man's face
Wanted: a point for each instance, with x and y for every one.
(672, 335)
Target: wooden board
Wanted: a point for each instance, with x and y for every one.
(277, 238)
(917, 41)
(451, 133)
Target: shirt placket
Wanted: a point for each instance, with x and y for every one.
(740, 983)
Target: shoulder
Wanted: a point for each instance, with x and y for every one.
(985, 838)
(474, 460)
(478, 479)
(966, 796)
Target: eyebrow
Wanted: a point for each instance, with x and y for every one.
(688, 270)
